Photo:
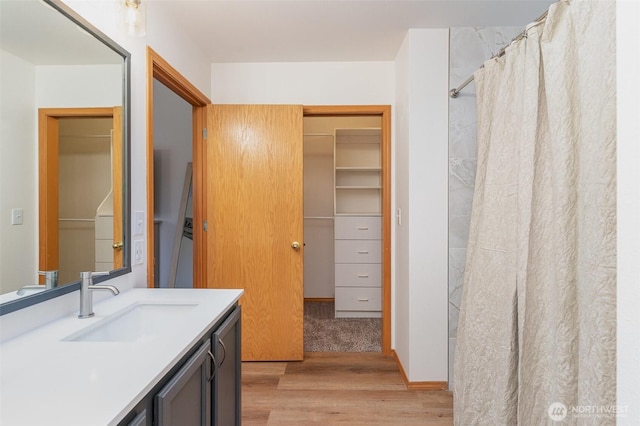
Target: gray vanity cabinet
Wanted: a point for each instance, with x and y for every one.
(226, 383)
(201, 390)
(186, 399)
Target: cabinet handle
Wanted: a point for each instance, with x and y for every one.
(363, 228)
(363, 251)
(224, 352)
(214, 368)
(363, 275)
(363, 299)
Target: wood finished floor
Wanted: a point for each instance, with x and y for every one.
(332, 388)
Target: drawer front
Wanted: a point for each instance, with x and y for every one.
(358, 228)
(359, 274)
(358, 298)
(358, 251)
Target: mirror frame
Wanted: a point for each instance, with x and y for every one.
(30, 300)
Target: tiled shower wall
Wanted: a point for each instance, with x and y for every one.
(468, 49)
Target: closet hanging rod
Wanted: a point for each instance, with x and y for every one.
(456, 91)
(319, 217)
(85, 136)
(76, 220)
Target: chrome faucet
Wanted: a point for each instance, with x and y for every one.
(50, 278)
(86, 292)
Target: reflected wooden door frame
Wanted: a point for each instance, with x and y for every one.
(48, 188)
(159, 69)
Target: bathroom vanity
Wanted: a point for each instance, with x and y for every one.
(147, 357)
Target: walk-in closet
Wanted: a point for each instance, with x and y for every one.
(342, 229)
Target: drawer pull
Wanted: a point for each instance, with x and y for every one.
(363, 275)
(363, 251)
(363, 299)
(363, 228)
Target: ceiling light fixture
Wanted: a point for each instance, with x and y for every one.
(134, 17)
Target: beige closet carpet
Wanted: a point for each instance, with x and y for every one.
(324, 333)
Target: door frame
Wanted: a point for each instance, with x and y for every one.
(158, 68)
(384, 112)
(48, 185)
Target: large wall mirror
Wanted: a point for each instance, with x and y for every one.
(64, 152)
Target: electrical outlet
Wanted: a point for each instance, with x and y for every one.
(138, 252)
(138, 228)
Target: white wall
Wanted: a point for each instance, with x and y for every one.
(628, 69)
(401, 290)
(18, 173)
(172, 150)
(70, 86)
(170, 43)
(421, 194)
(307, 83)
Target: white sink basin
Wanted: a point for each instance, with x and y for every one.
(139, 322)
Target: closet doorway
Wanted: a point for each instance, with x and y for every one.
(347, 229)
(80, 190)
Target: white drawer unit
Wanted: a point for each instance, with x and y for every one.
(358, 228)
(358, 274)
(358, 251)
(358, 269)
(368, 299)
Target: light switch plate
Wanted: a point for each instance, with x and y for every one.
(17, 216)
(138, 223)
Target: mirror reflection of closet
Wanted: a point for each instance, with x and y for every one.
(85, 196)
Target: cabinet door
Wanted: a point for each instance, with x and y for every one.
(186, 399)
(226, 389)
(140, 420)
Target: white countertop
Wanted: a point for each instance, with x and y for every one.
(47, 381)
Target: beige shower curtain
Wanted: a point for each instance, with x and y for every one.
(536, 337)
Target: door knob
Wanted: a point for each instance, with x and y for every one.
(118, 246)
(295, 245)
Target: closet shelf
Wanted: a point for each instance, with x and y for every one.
(356, 142)
(361, 131)
(359, 214)
(359, 187)
(359, 169)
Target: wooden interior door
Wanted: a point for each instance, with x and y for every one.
(254, 205)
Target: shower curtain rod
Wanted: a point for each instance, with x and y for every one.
(456, 91)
